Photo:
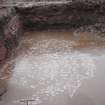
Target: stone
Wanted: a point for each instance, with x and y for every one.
(10, 27)
(10, 30)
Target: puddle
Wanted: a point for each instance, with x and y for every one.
(57, 68)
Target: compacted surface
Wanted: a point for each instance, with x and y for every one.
(52, 67)
(57, 68)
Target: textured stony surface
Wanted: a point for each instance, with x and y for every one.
(46, 14)
(40, 14)
(49, 71)
(10, 29)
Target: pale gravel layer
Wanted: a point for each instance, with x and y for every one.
(48, 73)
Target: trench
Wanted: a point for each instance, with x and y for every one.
(56, 68)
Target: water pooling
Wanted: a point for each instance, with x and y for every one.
(48, 70)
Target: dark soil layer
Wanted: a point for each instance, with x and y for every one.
(67, 15)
